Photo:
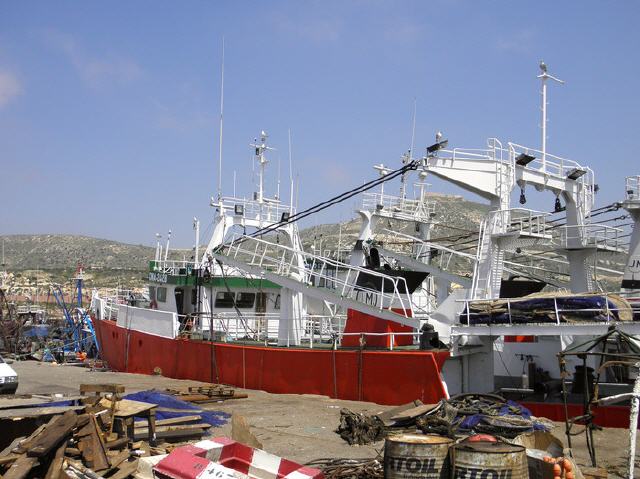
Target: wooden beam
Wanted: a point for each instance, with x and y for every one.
(102, 388)
(170, 421)
(21, 467)
(55, 468)
(57, 430)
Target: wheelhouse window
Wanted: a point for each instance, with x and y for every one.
(161, 294)
(224, 300)
(245, 300)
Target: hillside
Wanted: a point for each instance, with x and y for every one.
(45, 259)
(24, 252)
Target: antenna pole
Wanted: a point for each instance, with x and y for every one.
(196, 226)
(278, 190)
(290, 177)
(234, 183)
(544, 76)
(221, 124)
(166, 251)
(158, 247)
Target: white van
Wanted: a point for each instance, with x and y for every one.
(8, 378)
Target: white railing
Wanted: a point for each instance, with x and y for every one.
(594, 236)
(269, 211)
(173, 267)
(436, 254)
(555, 313)
(259, 327)
(632, 188)
(352, 282)
(522, 220)
(552, 165)
(397, 207)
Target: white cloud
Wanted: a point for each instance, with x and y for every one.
(10, 87)
(95, 71)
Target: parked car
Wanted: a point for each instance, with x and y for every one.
(8, 378)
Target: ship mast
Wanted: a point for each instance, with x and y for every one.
(544, 76)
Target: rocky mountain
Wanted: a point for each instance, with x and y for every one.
(25, 252)
(454, 215)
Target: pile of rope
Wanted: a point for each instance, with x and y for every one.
(349, 468)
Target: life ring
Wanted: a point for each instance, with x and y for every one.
(153, 304)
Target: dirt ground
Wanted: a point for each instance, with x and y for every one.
(299, 427)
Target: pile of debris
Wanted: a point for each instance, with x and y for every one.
(99, 433)
(462, 415)
(206, 394)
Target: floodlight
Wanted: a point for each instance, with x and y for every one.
(285, 217)
(238, 210)
(437, 146)
(523, 159)
(576, 173)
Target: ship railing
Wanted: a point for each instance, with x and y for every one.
(632, 188)
(550, 164)
(346, 280)
(269, 210)
(172, 267)
(524, 221)
(603, 237)
(427, 252)
(556, 316)
(398, 207)
(318, 330)
(259, 327)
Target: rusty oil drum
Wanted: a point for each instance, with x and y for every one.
(410, 456)
(489, 460)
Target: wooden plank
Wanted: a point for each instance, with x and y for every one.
(73, 451)
(128, 408)
(21, 467)
(168, 409)
(15, 403)
(118, 459)
(126, 469)
(24, 445)
(210, 399)
(102, 388)
(55, 468)
(170, 421)
(413, 412)
(173, 431)
(93, 450)
(118, 443)
(57, 430)
(7, 458)
(10, 447)
(15, 414)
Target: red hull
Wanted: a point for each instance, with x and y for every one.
(383, 377)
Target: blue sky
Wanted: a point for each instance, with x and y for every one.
(109, 110)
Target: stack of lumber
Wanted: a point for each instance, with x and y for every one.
(206, 394)
(99, 438)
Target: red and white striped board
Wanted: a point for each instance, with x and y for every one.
(223, 458)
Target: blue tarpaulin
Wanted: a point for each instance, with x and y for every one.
(164, 400)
